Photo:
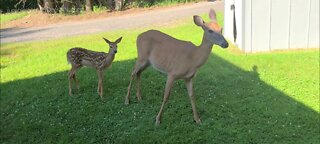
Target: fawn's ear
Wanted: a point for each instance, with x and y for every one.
(212, 15)
(198, 20)
(118, 40)
(106, 40)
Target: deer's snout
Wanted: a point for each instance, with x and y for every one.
(224, 45)
(115, 51)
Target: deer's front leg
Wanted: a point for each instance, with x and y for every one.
(191, 96)
(169, 84)
(100, 84)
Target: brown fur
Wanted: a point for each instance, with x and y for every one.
(176, 58)
(79, 57)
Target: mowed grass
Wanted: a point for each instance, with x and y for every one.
(241, 98)
(12, 16)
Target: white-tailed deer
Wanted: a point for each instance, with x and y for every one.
(176, 58)
(79, 57)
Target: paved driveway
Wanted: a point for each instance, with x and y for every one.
(129, 21)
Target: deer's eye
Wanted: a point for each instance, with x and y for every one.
(210, 31)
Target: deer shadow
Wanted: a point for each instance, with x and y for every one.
(235, 106)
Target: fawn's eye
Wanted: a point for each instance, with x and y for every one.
(210, 31)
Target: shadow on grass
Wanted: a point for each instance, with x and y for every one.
(235, 107)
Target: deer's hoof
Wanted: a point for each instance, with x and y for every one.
(158, 121)
(198, 121)
(126, 102)
(139, 98)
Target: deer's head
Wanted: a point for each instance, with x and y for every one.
(212, 31)
(113, 45)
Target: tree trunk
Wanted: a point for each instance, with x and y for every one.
(110, 4)
(89, 5)
(78, 5)
(118, 5)
(40, 5)
(103, 3)
(66, 6)
(49, 6)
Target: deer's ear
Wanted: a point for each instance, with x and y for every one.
(198, 20)
(106, 40)
(118, 40)
(212, 15)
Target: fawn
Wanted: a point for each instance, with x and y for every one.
(79, 57)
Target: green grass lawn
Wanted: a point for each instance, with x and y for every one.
(12, 16)
(241, 98)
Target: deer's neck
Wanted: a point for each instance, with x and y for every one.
(203, 51)
(107, 61)
(110, 57)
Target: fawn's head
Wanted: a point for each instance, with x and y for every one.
(113, 45)
(212, 31)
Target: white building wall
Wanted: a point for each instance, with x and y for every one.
(299, 20)
(247, 27)
(260, 25)
(228, 20)
(265, 25)
(313, 38)
(280, 24)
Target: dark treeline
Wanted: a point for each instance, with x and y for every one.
(76, 6)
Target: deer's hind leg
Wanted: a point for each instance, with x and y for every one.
(76, 81)
(72, 75)
(139, 67)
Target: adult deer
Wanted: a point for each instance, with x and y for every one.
(178, 59)
(79, 57)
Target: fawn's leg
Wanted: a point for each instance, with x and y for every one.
(169, 85)
(100, 87)
(70, 85)
(75, 79)
(191, 96)
(101, 84)
(70, 77)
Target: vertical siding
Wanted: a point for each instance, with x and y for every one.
(247, 32)
(280, 12)
(299, 24)
(260, 25)
(265, 25)
(239, 21)
(228, 20)
(313, 41)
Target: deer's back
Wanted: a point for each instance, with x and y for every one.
(83, 57)
(165, 53)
